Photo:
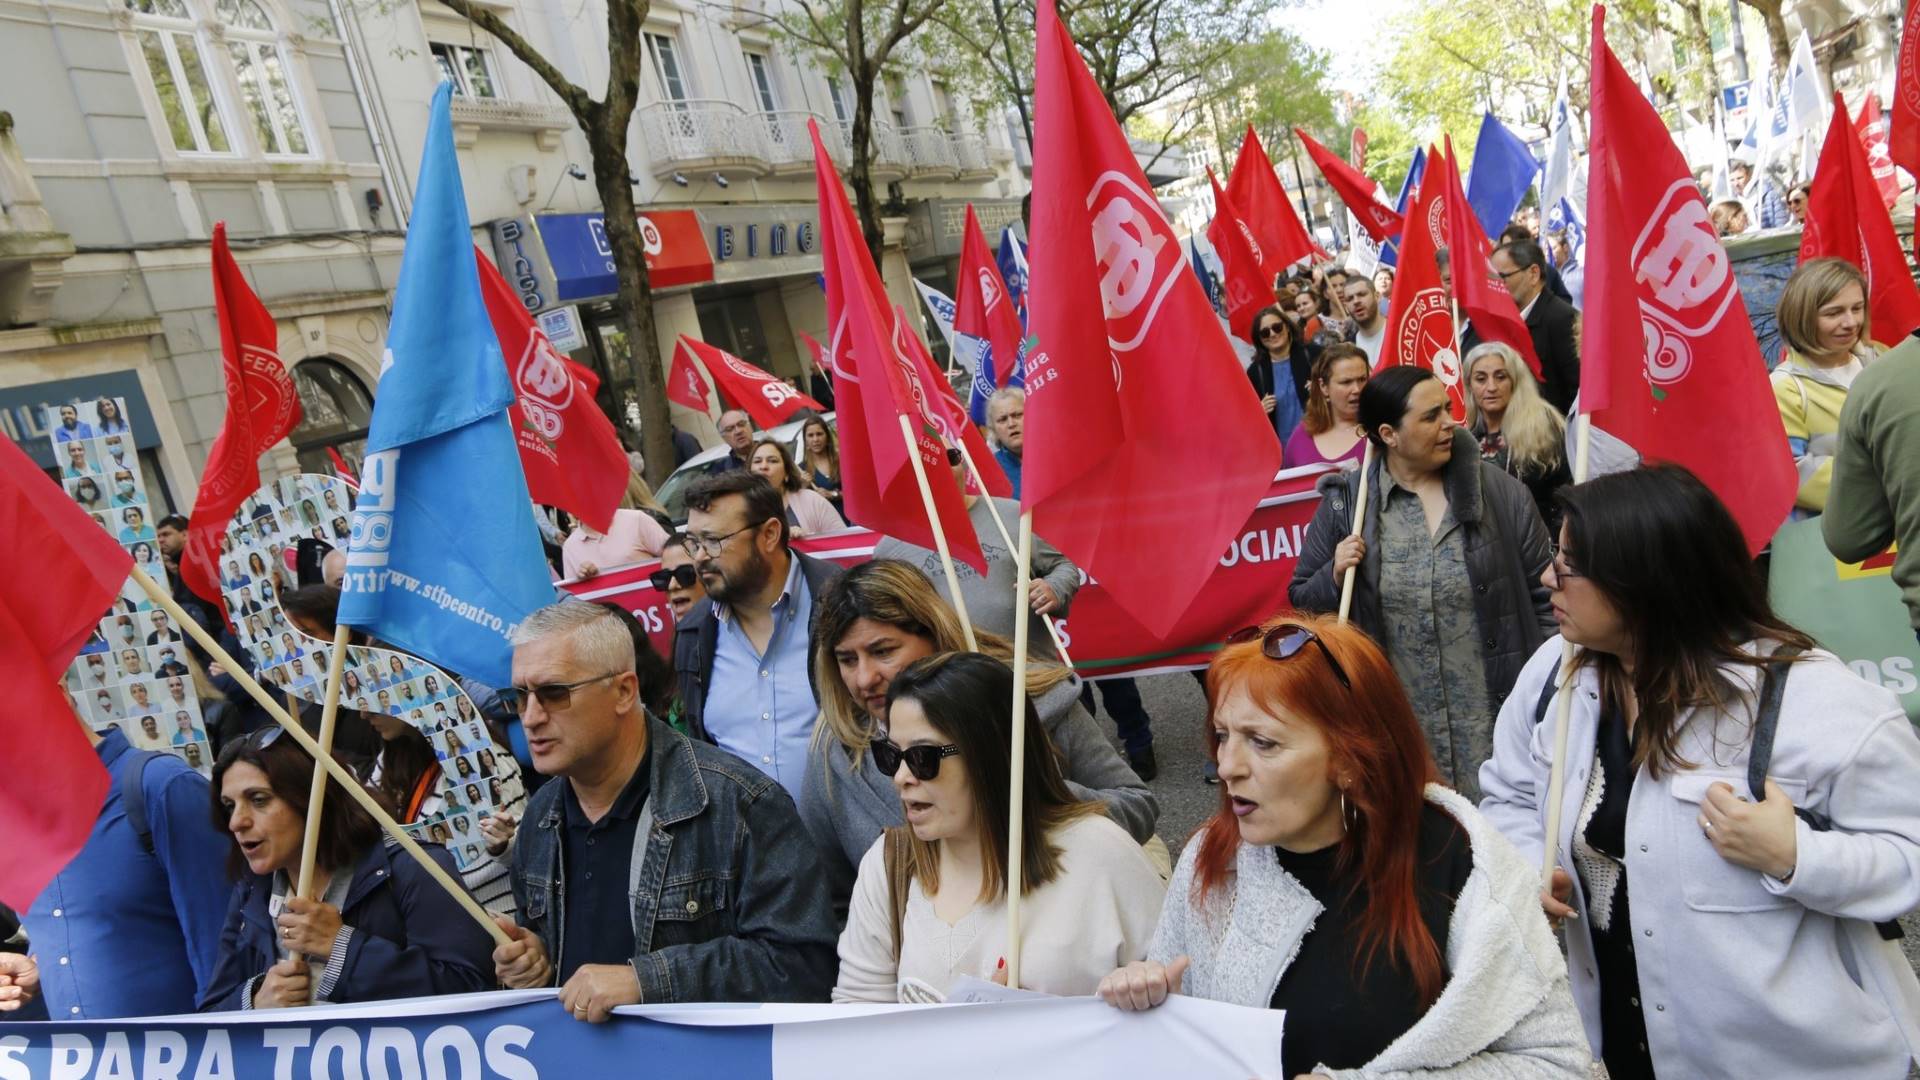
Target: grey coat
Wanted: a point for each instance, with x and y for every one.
(1507, 551)
(845, 810)
(991, 603)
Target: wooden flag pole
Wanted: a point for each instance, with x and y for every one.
(939, 533)
(1359, 520)
(1016, 802)
(317, 794)
(339, 772)
(1053, 631)
(1557, 776)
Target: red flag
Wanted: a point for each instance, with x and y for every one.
(1420, 328)
(1357, 149)
(341, 471)
(878, 377)
(1903, 142)
(1873, 140)
(1255, 189)
(981, 307)
(1248, 281)
(1669, 363)
(956, 419)
(1483, 297)
(1846, 220)
(768, 400)
(819, 354)
(686, 386)
(261, 409)
(1128, 431)
(56, 784)
(568, 448)
(1355, 190)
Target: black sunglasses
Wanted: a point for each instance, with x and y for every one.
(1273, 329)
(922, 761)
(553, 697)
(1285, 640)
(953, 458)
(683, 576)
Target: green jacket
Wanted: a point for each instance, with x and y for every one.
(1875, 496)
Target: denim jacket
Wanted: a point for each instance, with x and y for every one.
(728, 903)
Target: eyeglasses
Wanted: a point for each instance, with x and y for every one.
(953, 458)
(1273, 329)
(1505, 274)
(1286, 640)
(922, 761)
(683, 576)
(1562, 568)
(710, 545)
(553, 697)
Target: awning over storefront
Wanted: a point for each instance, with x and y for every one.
(566, 258)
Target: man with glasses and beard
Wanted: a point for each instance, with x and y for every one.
(648, 828)
(741, 658)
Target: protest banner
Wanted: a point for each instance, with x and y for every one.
(1247, 585)
(524, 1035)
(1853, 610)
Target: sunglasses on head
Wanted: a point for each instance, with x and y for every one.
(1286, 640)
(922, 761)
(683, 576)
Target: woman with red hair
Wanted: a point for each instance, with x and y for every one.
(1340, 882)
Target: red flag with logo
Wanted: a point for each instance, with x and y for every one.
(956, 421)
(1128, 430)
(261, 409)
(1669, 363)
(765, 397)
(1846, 220)
(686, 386)
(568, 448)
(1264, 206)
(876, 381)
(67, 572)
(1354, 189)
(1873, 140)
(980, 304)
(1357, 149)
(1248, 282)
(1903, 126)
(1483, 297)
(1420, 328)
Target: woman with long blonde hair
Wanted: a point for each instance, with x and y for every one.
(1518, 430)
(868, 625)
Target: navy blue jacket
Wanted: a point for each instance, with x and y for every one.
(401, 936)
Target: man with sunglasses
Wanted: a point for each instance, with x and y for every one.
(741, 658)
(658, 868)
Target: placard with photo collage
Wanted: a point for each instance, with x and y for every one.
(257, 553)
(134, 672)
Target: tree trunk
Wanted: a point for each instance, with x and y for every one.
(636, 301)
(860, 169)
(1701, 43)
(1778, 40)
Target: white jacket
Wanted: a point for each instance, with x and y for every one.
(1505, 1013)
(1740, 974)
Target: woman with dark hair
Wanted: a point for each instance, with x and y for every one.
(1281, 364)
(381, 927)
(86, 492)
(868, 625)
(659, 690)
(1734, 796)
(1341, 882)
(108, 420)
(1330, 431)
(808, 512)
(1088, 896)
(1449, 559)
(820, 459)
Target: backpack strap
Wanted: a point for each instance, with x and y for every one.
(133, 796)
(899, 865)
(1546, 699)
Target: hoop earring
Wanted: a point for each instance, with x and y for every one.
(1343, 809)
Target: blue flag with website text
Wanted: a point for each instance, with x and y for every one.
(445, 558)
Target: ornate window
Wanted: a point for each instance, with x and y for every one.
(335, 412)
(218, 68)
(171, 45)
(262, 74)
(468, 68)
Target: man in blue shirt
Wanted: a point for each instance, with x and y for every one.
(1006, 418)
(131, 927)
(742, 659)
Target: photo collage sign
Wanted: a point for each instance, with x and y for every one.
(134, 673)
(257, 554)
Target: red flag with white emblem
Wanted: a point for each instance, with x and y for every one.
(766, 398)
(1420, 327)
(1873, 140)
(1263, 202)
(1248, 281)
(1128, 430)
(1356, 190)
(1846, 220)
(1669, 363)
(1483, 297)
(1903, 125)
(686, 385)
(261, 409)
(981, 307)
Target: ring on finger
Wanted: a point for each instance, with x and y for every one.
(1705, 825)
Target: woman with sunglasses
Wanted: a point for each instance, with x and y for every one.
(808, 512)
(930, 902)
(633, 536)
(380, 926)
(1449, 559)
(1341, 882)
(868, 625)
(677, 579)
(1739, 809)
(1282, 360)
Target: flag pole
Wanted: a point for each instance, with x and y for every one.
(1016, 781)
(1000, 523)
(1359, 517)
(317, 794)
(334, 769)
(939, 533)
(1557, 776)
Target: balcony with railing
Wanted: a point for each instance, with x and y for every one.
(789, 148)
(930, 153)
(705, 135)
(888, 159)
(970, 150)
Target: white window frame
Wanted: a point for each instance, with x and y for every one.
(674, 56)
(212, 39)
(167, 29)
(257, 42)
(761, 80)
(462, 85)
(841, 99)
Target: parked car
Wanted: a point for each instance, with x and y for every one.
(673, 493)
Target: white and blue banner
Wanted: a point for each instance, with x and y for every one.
(526, 1035)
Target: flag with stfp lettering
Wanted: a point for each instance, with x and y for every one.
(1124, 340)
(1356, 190)
(1846, 220)
(1256, 190)
(1249, 280)
(1669, 364)
(1420, 328)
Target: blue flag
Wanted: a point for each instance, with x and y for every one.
(445, 558)
(1390, 254)
(1208, 283)
(1503, 169)
(1012, 258)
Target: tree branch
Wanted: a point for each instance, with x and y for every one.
(577, 100)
